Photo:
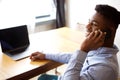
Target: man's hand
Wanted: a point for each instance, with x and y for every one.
(37, 56)
(93, 41)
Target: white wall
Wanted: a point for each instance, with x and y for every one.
(80, 10)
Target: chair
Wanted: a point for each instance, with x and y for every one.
(48, 77)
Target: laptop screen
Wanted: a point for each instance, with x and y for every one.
(15, 39)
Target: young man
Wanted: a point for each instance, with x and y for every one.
(96, 59)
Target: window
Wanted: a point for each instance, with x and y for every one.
(17, 12)
(47, 12)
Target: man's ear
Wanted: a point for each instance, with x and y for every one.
(108, 34)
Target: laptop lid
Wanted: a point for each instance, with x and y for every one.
(14, 40)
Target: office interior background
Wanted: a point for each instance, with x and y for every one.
(40, 15)
(43, 13)
(29, 12)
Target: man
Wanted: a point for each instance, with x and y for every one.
(96, 59)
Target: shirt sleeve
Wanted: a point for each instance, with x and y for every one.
(59, 57)
(93, 72)
(99, 72)
(74, 66)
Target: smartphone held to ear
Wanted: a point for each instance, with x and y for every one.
(108, 34)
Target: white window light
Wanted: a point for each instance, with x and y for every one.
(17, 12)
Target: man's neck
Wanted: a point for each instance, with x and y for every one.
(108, 44)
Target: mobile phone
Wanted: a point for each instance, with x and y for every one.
(108, 34)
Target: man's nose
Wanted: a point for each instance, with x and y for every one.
(88, 26)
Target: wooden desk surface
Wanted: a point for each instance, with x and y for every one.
(57, 40)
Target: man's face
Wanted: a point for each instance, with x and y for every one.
(97, 22)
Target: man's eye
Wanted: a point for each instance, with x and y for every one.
(94, 24)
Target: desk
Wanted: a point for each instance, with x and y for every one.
(57, 40)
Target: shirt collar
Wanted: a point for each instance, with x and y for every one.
(104, 50)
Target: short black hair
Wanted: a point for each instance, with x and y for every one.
(109, 13)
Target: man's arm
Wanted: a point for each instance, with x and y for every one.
(92, 42)
(74, 66)
(59, 57)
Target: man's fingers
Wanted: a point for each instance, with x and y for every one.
(94, 35)
(97, 36)
(33, 54)
(33, 58)
(101, 36)
(90, 35)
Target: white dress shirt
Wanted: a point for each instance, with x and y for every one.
(100, 64)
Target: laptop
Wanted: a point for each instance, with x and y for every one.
(15, 42)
